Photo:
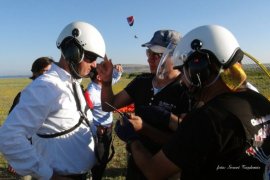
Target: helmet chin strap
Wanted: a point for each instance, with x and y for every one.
(216, 78)
(74, 70)
(198, 86)
(192, 88)
(189, 81)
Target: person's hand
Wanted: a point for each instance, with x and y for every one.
(118, 68)
(125, 130)
(105, 70)
(155, 115)
(137, 122)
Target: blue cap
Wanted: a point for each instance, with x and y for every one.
(161, 39)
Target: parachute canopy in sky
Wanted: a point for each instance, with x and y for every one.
(130, 20)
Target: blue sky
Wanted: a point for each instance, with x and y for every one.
(29, 28)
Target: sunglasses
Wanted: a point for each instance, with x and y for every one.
(90, 56)
(151, 54)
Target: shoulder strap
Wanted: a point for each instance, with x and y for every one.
(102, 160)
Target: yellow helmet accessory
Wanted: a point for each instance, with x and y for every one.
(233, 76)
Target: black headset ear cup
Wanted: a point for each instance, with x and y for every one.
(198, 66)
(72, 51)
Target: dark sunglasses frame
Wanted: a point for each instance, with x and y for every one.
(90, 56)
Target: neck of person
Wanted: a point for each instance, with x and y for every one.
(212, 91)
(63, 64)
(99, 82)
(169, 77)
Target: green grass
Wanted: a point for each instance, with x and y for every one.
(8, 90)
(260, 80)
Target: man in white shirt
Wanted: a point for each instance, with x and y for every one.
(52, 110)
(102, 120)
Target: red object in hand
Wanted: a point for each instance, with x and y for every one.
(127, 109)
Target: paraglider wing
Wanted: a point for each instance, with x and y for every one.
(130, 20)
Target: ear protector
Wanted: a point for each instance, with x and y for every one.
(197, 66)
(72, 50)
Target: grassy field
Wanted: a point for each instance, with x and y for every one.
(116, 168)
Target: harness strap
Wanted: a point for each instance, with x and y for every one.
(112, 152)
(62, 132)
(101, 160)
(83, 117)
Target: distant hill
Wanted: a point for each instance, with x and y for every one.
(131, 68)
(255, 66)
(134, 68)
(128, 68)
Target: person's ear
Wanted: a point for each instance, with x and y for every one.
(98, 78)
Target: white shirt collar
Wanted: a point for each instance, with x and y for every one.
(63, 74)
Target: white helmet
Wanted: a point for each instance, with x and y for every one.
(216, 39)
(86, 35)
